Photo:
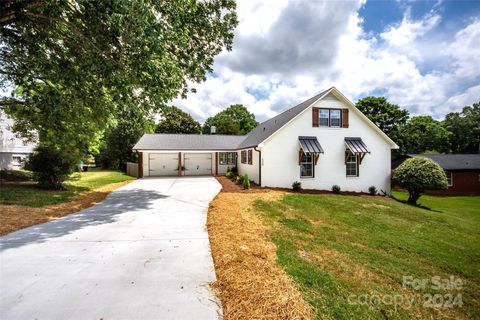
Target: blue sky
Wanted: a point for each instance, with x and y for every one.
(422, 55)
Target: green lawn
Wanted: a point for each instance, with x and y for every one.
(347, 253)
(32, 196)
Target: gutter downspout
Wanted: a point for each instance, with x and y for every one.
(259, 165)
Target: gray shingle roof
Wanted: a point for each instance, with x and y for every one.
(162, 141)
(454, 161)
(267, 128)
(223, 142)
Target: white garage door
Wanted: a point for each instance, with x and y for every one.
(163, 164)
(198, 164)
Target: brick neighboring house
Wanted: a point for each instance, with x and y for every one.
(463, 172)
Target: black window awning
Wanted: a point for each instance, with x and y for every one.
(356, 145)
(310, 145)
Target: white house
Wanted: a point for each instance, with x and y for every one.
(321, 142)
(13, 150)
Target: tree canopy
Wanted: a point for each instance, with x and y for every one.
(175, 120)
(387, 116)
(423, 133)
(76, 66)
(235, 120)
(465, 129)
(418, 175)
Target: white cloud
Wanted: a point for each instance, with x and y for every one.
(409, 30)
(466, 98)
(465, 49)
(287, 51)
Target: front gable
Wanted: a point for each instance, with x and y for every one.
(334, 99)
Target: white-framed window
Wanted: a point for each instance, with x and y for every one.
(16, 160)
(352, 165)
(306, 166)
(330, 118)
(226, 158)
(324, 115)
(335, 118)
(449, 178)
(243, 156)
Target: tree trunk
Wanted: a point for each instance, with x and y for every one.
(413, 196)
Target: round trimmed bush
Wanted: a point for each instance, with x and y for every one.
(336, 189)
(372, 190)
(417, 175)
(297, 186)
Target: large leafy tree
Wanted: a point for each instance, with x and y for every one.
(235, 120)
(465, 129)
(75, 65)
(423, 133)
(119, 139)
(175, 120)
(387, 116)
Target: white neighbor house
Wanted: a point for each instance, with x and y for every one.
(13, 150)
(321, 142)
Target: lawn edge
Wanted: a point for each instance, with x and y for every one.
(11, 215)
(249, 281)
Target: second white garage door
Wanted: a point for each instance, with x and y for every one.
(163, 164)
(197, 164)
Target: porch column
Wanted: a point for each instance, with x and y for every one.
(140, 164)
(216, 163)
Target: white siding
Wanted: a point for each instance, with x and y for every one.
(280, 154)
(250, 169)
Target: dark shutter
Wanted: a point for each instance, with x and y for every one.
(344, 118)
(249, 156)
(300, 156)
(315, 117)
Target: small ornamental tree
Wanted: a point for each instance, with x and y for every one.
(417, 175)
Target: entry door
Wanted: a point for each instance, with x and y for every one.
(197, 164)
(163, 164)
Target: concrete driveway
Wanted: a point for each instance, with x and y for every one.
(142, 253)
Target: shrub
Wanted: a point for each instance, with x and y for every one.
(246, 182)
(52, 166)
(239, 180)
(297, 186)
(372, 190)
(234, 170)
(336, 189)
(229, 174)
(418, 175)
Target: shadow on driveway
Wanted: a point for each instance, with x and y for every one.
(107, 211)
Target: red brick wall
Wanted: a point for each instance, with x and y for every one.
(465, 182)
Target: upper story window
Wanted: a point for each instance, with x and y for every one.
(324, 117)
(330, 118)
(227, 158)
(335, 118)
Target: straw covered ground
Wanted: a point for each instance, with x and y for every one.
(249, 282)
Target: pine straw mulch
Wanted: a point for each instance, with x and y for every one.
(249, 282)
(16, 217)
